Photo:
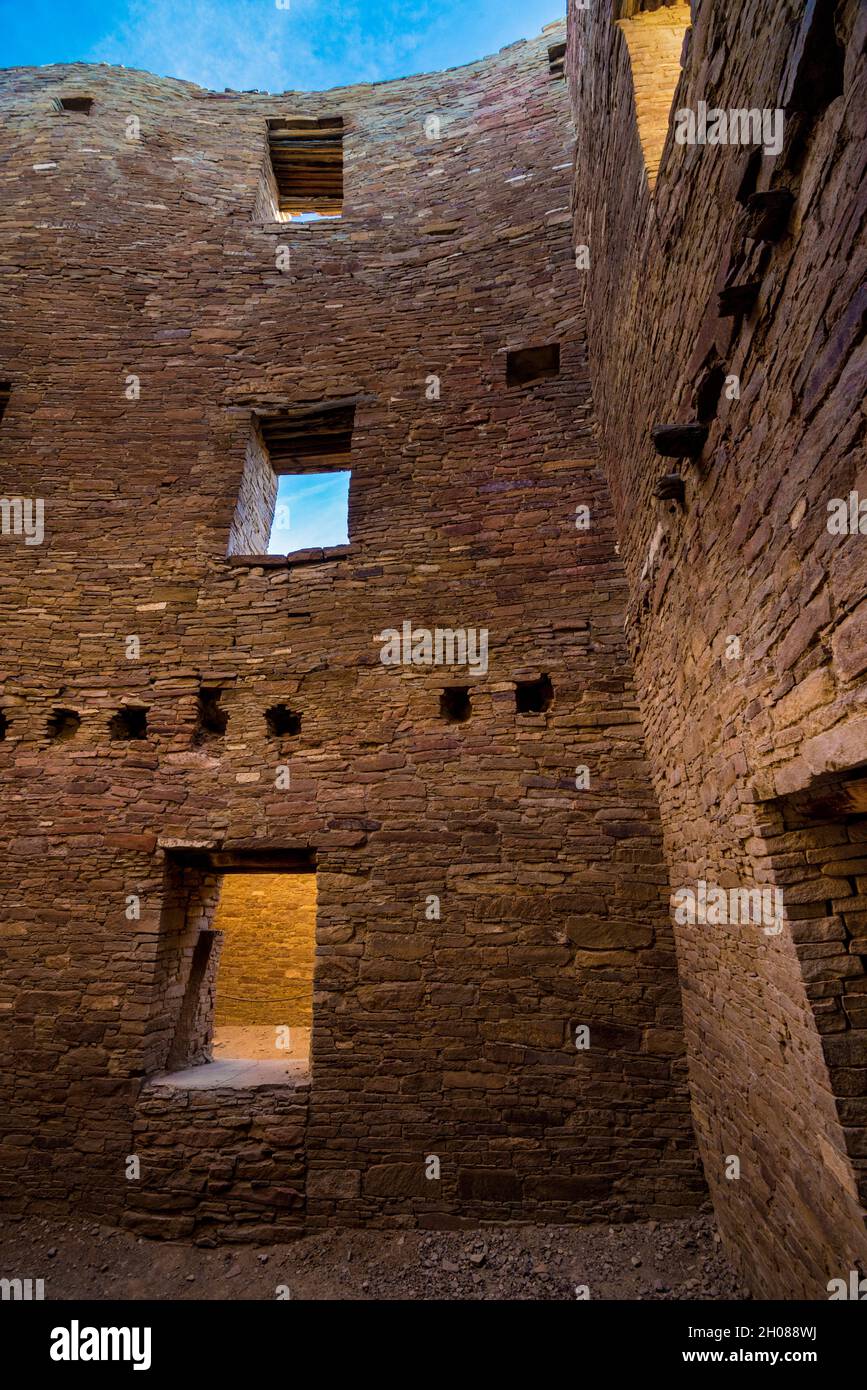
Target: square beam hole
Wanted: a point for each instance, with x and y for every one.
(211, 718)
(534, 697)
(526, 365)
(282, 722)
(306, 155)
(455, 704)
(63, 724)
(129, 723)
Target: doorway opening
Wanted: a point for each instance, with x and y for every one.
(240, 963)
(263, 1004)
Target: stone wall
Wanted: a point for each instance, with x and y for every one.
(219, 1165)
(747, 616)
(480, 902)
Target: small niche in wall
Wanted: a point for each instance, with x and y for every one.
(526, 365)
(534, 697)
(63, 724)
(455, 704)
(282, 722)
(130, 722)
(5, 393)
(4, 725)
(212, 720)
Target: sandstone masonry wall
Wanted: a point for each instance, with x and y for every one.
(220, 1164)
(151, 257)
(775, 1024)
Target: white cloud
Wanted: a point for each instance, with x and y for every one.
(242, 44)
(251, 44)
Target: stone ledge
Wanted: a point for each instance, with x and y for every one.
(838, 750)
(236, 1075)
(324, 555)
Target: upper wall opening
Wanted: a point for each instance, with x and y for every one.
(526, 365)
(557, 59)
(294, 493)
(653, 30)
(311, 512)
(306, 154)
(83, 105)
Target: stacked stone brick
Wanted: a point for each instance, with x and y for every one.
(155, 258)
(775, 1024)
(149, 322)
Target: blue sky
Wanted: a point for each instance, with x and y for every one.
(246, 44)
(312, 509)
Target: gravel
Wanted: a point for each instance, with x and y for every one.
(645, 1260)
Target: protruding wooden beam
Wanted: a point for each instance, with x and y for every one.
(679, 441)
(671, 488)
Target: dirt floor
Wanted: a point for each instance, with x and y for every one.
(647, 1260)
(248, 1041)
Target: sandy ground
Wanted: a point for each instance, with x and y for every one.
(258, 1044)
(647, 1260)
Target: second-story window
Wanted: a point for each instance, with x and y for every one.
(307, 164)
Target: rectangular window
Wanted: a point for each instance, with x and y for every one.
(557, 60)
(83, 105)
(307, 164)
(312, 511)
(295, 486)
(5, 393)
